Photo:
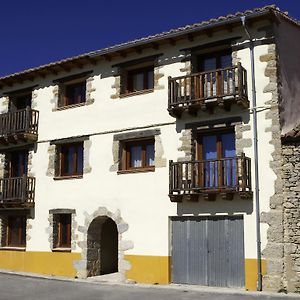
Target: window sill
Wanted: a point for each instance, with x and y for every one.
(70, 106)
(140, 170)
(136, 93)
(68, 177)
(13, 248)
(60, 249)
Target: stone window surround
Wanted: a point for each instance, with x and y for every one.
(188, 135)
(53, 157)
(89, 90)
(118, 139)
(3, 225)
(131, 64)
(52, 230)
(191, 54)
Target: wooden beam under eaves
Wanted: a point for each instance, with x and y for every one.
(41, 74)
(155, 46)
(228, 28)
(65, 68)
(77, 64)
(209, 32)
(138, 50)
(123, 54)
(190, 37)
(52, 70)
(172, 42)
(92, 61)
(107, 57)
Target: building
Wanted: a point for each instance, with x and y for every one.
(141, 158)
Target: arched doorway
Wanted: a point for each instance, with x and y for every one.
(102, 247)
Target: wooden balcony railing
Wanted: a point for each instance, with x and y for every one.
(19, 125)
(205, 90)
(210, 177)
(17, 192)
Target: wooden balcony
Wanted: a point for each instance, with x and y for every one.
(208, 178)
(17, 127)
(17, 192)
(207, 90)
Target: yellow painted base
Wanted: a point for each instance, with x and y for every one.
(149, 269)
(156, 270)
(144, 269)
(251, 273)
(47, 263)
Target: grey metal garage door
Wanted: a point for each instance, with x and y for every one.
(208, 250)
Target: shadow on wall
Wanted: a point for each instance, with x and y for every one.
(209, 119)
(215, 207)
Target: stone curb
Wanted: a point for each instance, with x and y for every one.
(181, 287)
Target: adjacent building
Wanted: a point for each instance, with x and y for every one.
(164, 159)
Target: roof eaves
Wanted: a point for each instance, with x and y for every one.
(173, 33)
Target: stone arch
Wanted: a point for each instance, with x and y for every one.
(102, 247)
(96, 219)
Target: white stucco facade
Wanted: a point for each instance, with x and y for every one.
(141, 199)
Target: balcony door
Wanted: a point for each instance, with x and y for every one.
(214, 80)
(13, 186)
(216, 151)
(17, 163)
(19, 102)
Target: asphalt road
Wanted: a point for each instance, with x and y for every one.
(14, 287)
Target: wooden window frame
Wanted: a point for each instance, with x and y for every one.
(199, 149)
(63, 99)
(60, 227)
(21, 232)
(214, 54)
(218, 132)
(61, 160)
(127, 79)
(126, 157)
(13, 99)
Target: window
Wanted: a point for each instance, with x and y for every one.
(16, 231)
(137, 79)
(214, 61)
(17, 163)
(73, 92)
(70, 162)
(217, 151)
(20, 101)
(138, 155)
(62, 231)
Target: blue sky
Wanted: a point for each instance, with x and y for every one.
(35, 32)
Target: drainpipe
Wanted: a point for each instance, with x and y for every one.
(254, 109)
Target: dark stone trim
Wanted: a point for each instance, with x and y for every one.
(219, 123)
(226, 42)
(72, 77)
(15, 212)
(290, 140)
(62, 211)
(136, 135)
(73, 139)
(137, 61)
(21, 91)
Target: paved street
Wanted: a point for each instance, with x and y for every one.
(14, 287)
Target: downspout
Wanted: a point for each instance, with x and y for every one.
(257, 203)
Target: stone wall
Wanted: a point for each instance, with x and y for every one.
(273, 252)
(291, 215)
